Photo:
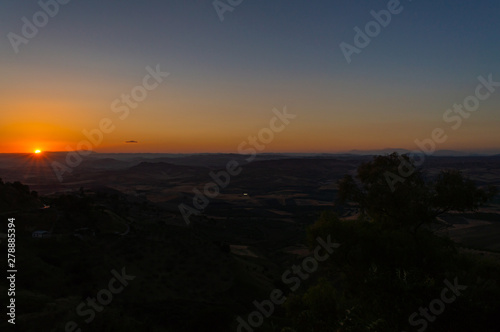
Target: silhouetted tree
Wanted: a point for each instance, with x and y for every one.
(408, 201)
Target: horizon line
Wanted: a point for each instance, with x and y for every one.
(352, 152)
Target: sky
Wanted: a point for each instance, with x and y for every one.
(225, 77)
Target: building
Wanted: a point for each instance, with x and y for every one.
(41, 234)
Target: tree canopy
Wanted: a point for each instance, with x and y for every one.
(393, 191)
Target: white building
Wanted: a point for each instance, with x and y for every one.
(40, 234)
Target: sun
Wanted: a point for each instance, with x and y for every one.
(38, 151)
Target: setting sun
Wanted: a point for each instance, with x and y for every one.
(38, 151)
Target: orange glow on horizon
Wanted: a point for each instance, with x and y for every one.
(42, 138)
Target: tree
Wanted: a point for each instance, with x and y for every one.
(408, 201)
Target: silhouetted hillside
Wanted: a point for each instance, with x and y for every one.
(16, 196)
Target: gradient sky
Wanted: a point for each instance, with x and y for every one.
(226, 77)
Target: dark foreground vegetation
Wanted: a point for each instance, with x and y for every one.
(393, 270)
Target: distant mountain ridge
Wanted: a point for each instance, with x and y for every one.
(438, 153)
